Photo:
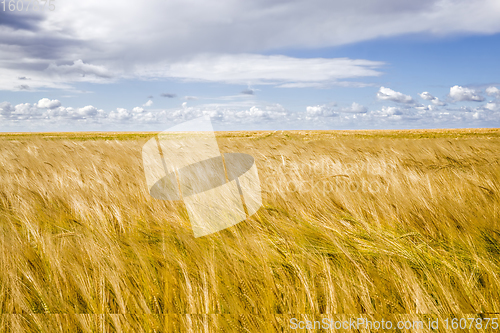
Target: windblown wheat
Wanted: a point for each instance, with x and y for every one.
(371, 223)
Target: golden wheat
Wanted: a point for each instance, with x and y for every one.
(399, 224)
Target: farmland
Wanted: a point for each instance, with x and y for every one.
(399, 224)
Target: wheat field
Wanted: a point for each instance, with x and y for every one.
(392, 224)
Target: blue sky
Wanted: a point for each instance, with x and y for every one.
(261, 65)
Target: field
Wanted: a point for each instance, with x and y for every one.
(401, 225)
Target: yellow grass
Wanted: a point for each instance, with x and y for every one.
(379, 224)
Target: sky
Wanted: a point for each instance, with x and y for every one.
(250, 65)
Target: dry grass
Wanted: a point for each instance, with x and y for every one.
(372, 223)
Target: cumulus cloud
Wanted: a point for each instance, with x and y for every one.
(21, 111)
(459, 93)
(231, 113)
(5, 109)
(427, 96)
(391, 111)
(493, 106)
(135, 117)
(46, 103)
(148, 103)
(493, 91)
(120, 114)
(86, 112)
(436, 101)
(426, 107)
(331, 111)
(26, 110)
(249, 114)
(388, 94)
(321, 111)
(259, 113)
(354, 108)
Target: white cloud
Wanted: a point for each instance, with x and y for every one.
(190, 98)
(459, 93)
(249, 114)
(427, 96)
(321, 111)
(46, 103)
(25, 110)
(48, 109)
(5, 109)
(92, 41)
(493, 106)
(239, 113)
(330, 110)
(242, 26)
(436, 101)
(21, 111)
(391, 95)
(262, 69)
(391, 111)
(88, 110)
(426, 107)
(258, 113)
(493, 91)
(148, 103)
(120, 114)
(354, 108)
